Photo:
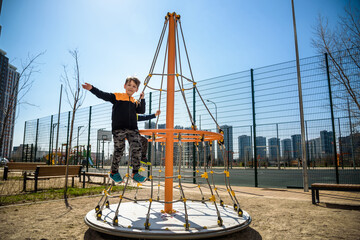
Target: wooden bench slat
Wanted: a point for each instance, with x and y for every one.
(315, 187)
(20, 166)
(58, 170)
(23, 165)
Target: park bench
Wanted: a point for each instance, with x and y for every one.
(315, 187)
(94, 174)
(20, 167)
(47, 172)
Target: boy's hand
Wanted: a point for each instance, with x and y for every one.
(87, 86)
(157, 113)
(142, 95)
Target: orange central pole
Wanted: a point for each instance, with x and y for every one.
(169, 150)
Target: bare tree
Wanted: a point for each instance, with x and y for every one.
(18, 91)
(342, 45)
(75, 98)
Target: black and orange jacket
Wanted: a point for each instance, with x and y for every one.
(124, 109)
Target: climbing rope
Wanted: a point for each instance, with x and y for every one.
(201, 173)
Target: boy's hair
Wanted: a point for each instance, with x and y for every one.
(134, 79)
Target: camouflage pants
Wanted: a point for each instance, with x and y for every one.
(119, 146)
(144, 147)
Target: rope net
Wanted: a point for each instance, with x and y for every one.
(202, 174)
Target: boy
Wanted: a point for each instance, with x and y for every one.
(144, 140)
(124, 125)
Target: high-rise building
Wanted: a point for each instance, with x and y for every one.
(286, 149)
(326, 143)
(245, 152)
(296, 146)
(314, 149)
(8, 99)
(274, 149)
(261, 148)
(350, 148)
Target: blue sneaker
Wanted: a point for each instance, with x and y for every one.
(138, 178)
(116, 177)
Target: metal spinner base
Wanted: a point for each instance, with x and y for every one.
(202, 218)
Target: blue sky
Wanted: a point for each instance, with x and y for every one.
(118, 38)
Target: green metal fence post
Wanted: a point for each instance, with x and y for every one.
(307, 145)
(149, 144)
(351, 136)
(340, 146)
(49, 156)
(277, 146)
(67, 139)
(23, 146)
(332, 119)
(228, 148)
(88, 145)
(36, 139)
(31, 152)
(254, 124)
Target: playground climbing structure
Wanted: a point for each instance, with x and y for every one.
(163, 217)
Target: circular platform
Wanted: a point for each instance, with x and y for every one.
(202, 219)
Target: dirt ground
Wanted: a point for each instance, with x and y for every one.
(273, 217)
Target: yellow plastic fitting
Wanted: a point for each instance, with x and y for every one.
(205, 175)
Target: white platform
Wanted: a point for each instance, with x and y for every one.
(202, 219)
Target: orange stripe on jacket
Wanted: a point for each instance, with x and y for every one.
(124, 97)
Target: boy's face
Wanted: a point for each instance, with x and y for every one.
(130, 88)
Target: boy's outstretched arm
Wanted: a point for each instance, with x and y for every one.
(100, 94)
(145, 117)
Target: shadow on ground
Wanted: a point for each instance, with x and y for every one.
(342, 206)
(248, 233)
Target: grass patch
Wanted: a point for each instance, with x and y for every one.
(15, 178)
(52, 194)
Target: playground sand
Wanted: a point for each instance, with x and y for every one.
(273, 217)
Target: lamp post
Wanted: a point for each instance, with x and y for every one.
(215, 109)
(52, 142)
(98, 147)
(77, 146)
(216, 124)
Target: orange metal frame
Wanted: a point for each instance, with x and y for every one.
(186, 135)
(171, 135)
(169, 150)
